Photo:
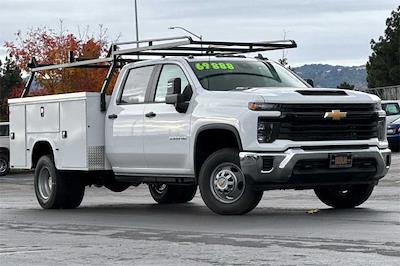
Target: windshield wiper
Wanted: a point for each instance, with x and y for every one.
(240, 89)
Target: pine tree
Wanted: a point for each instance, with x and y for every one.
(383, 67)
(346, 86)
(10, 77)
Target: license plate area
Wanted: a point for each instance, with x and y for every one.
(340, 160)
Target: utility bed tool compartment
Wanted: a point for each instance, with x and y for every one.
(43, 117)
(71, 123)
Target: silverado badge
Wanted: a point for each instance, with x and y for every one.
(335, 115)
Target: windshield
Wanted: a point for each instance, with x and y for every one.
(236, 75)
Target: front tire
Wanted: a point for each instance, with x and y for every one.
(55, 189)
(223, 185)
(342, 197)
(4, 165)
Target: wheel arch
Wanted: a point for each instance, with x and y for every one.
(227, 136)
(40, 148)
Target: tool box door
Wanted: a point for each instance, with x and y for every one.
(17, 136)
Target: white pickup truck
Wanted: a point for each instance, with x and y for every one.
(233, 126)
(4, 148)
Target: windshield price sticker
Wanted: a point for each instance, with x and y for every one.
(214, 66)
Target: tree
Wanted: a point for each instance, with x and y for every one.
(49, 47)
(383, 67)
(10, 78)
(346, 86)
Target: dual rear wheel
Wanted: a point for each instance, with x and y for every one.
(55, 189)
(165, 193)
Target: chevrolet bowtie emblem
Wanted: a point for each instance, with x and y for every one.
(335, 115)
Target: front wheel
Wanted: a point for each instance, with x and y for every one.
(344, 196)
(55, 189)
(223, 185)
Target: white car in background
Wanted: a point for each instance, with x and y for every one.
(392, 109)
(4, 149)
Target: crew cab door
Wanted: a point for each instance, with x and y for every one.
(124, 122)
(167, 132)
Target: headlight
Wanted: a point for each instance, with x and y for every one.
(378, 107)
(382, 129)
(266, 131)
(263, 106)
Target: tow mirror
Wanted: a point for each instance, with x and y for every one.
(174, 95)
(310, 82)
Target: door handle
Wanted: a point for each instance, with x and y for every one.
(113, 116)
(150, 115)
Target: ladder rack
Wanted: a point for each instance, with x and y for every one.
(183, 46)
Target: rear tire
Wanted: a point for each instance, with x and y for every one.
(55, 189)
(344, 197)
(165, 194)
(223, 185)
(4, 165)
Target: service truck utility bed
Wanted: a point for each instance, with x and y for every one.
(72, 121)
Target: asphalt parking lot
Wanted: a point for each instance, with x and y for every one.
(288, 228)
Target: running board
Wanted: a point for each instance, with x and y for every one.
(150, 179)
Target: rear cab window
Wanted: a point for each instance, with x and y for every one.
(136, 84)
(4, 130)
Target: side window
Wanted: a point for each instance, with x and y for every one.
(4, 130)
(169, 72)
(136, 84)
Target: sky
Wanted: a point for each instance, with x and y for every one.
(334, 32)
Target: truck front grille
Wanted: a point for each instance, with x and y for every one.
(306, 122)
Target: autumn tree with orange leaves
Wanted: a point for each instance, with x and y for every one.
(50, 47)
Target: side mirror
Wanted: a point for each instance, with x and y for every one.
(310, 82)
(174, 87)
(174, 95)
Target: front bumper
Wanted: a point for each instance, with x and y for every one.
(283, 173)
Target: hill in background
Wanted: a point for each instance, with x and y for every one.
(328, 76)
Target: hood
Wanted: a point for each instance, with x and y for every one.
(391, 118)
(311, 95)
